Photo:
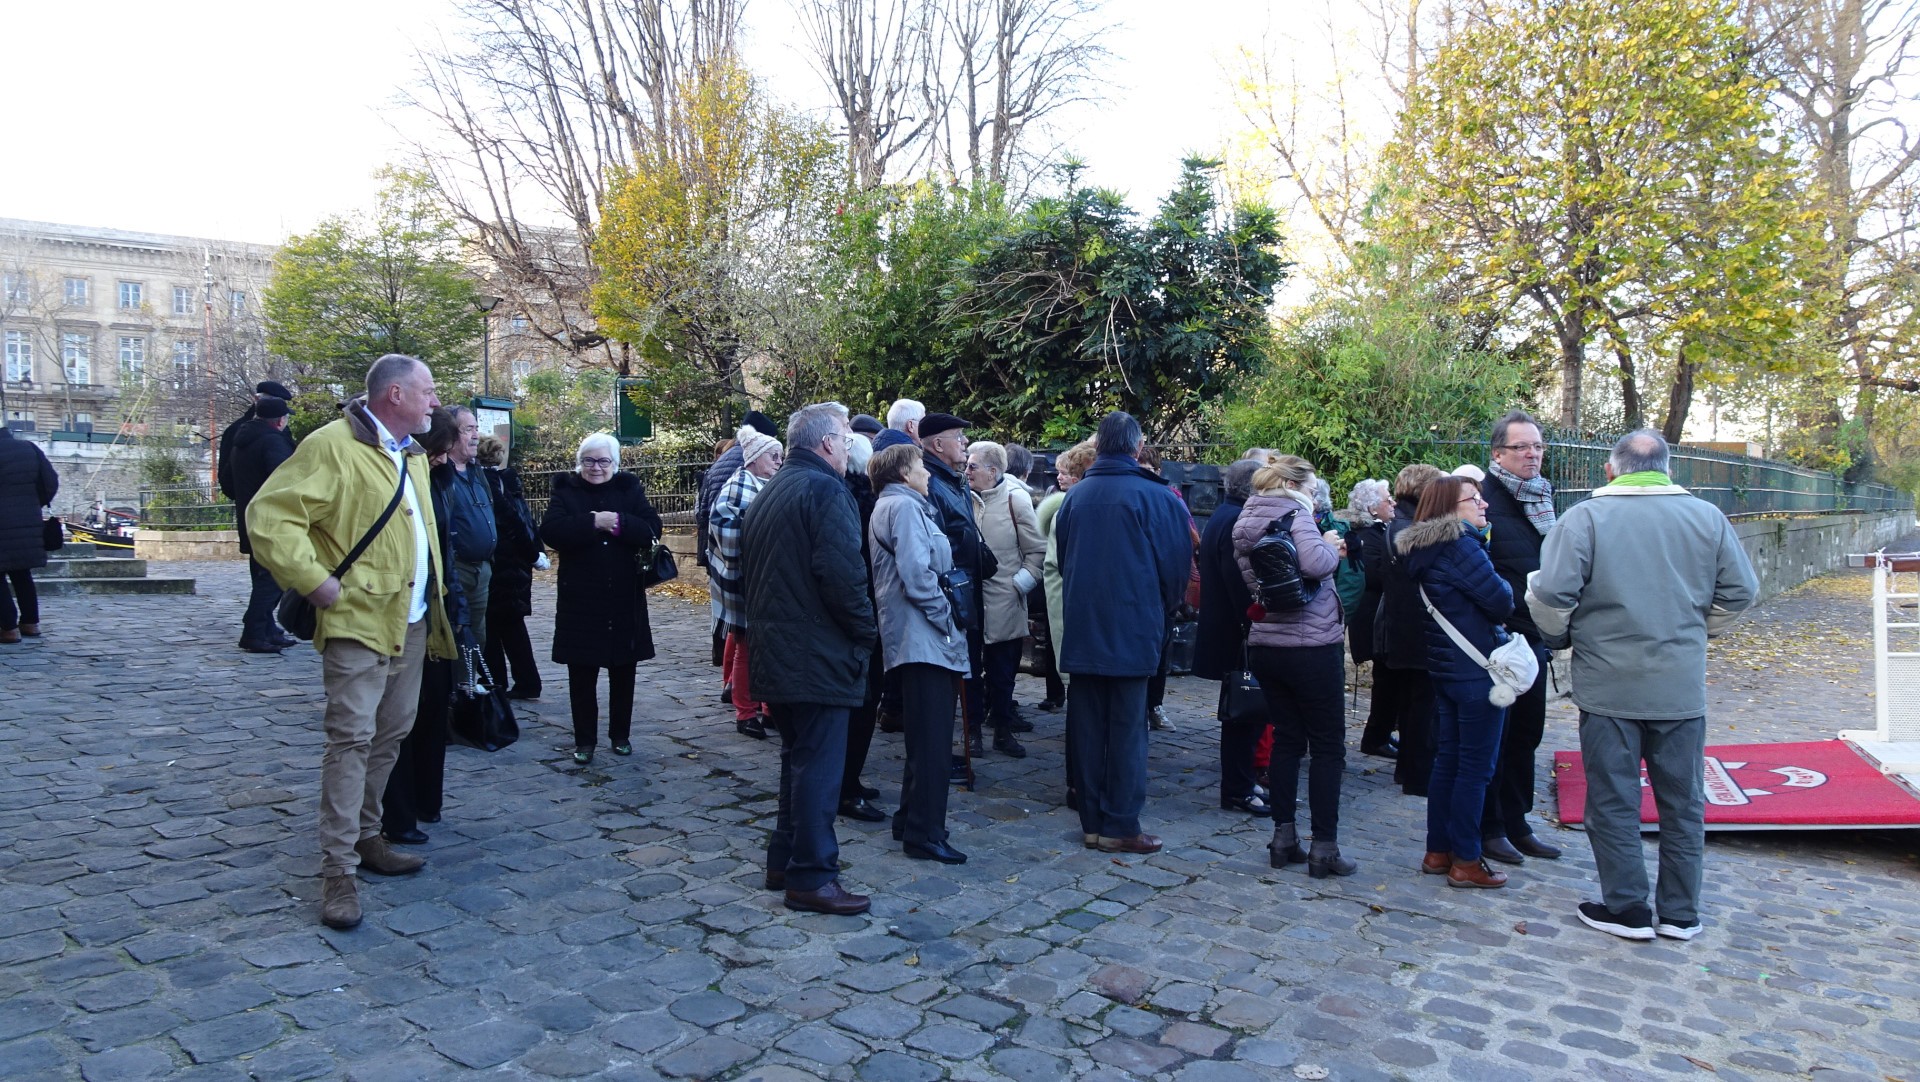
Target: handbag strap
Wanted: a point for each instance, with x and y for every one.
(378, 524)
(1453, 633)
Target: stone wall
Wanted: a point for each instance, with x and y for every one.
(187, 545)
(681, 540)
(1788, 551)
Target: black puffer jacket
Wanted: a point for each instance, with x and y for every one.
(1514, 545)
(1220, 641)
(1448, 559)
(953, 507)
(1398, 638)
(519, 546)
(808, 602)
(257, 449)
(27, 483)
(600, 609)
(1367, 550)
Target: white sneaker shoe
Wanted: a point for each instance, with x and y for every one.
(1157, 719)
(1678, 931)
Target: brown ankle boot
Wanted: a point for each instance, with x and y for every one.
(377, 856)
(340, 901)
(31, 631)
(1436, 863)
(1474, 873)
(9, 634)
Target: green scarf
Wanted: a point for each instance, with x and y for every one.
(1643, 479)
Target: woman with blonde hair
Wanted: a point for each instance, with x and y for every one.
(1296, 655)
(1009, 527)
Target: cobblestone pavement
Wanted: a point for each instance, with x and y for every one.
(160, 902)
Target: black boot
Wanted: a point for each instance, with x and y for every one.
(1285, 847)
(1324, 859)
(1008, 745)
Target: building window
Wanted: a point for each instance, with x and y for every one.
(76, 356)
(236, 304)
(16, 288)
(19, 357)
(130, 295)
(182, 300)
(519, 324)
(133, 359)
(521, 370)
(75, 292)
(186, 357)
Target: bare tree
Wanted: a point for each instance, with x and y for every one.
(871, 55)
(536, 106)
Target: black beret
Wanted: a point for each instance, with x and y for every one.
(277, 390)
(866, 425)
(935, 423)
(760, 423)
(270, 408)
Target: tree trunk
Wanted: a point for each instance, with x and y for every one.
(1573, 361)
(1679, 398)
(1629, 385)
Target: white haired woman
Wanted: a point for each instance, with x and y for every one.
(600, 524)
(1010, 528)
(726, 589)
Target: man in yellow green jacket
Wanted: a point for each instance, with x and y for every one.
(378, 623)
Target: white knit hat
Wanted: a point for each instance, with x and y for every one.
(753, 444)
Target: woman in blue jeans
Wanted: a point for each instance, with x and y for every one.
(1447, 559)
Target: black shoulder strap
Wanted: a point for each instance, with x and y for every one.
(378, 524)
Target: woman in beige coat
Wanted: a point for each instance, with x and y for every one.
(1004, 512)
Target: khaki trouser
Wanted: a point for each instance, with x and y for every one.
(371, 702)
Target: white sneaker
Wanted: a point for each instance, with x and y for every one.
(1157, 719)
(1678, 931)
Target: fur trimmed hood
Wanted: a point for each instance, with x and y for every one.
(1430, 534)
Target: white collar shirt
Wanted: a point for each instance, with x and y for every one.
(397, 451)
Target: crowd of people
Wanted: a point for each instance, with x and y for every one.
(869, 576)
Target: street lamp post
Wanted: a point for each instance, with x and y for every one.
(486, 305)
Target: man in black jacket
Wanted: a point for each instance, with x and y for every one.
(1519, 514)
(259, 446)
(261, 392)
(812, 637)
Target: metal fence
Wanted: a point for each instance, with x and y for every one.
(672, 487)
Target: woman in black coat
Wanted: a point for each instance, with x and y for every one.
(1220, 642)
(27, 483)
(600, 523)
(510, 602)
(1400, 684)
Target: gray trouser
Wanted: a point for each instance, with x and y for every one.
(1674, 751)
(476, 581)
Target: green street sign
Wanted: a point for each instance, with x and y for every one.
(635, 423)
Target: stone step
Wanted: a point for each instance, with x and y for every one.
(68, 587)
(74, 550)
(91, 568)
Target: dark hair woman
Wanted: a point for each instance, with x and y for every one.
(599, 521)
(1402, 694)
(1448, 561)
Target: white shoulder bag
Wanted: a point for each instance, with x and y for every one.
(1513, 666)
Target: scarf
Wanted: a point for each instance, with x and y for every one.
(1535, 496)
(1643, 479)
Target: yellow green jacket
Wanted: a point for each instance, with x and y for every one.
(319, 503)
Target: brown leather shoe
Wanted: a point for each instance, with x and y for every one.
(831, 898)
(340, 901)
(31, 631)
(1477, 873)
(10, 635)
(377, 856)
(1436, 863)
(1139, 843)
(776, 880)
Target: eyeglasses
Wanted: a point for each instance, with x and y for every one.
(1536, 448)
(596, 463)
(1474, 499)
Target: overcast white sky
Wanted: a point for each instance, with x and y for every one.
(250, 120)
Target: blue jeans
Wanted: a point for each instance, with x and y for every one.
(813, 753)
(1107, 746)
(1466, 741)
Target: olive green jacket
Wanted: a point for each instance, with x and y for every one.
(319, 503)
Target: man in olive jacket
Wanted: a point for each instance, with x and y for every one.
(375, 626)
(812, 631)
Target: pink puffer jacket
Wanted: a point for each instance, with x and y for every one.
(1320, 622)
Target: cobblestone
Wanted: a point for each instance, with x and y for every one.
(157, 789)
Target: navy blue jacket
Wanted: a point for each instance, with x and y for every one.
(27, 483)
(1124, 555)
(1220, 641)
(711, 483)
(891, 437)
(1450, 562)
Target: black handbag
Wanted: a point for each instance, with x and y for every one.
(1241, 700)
(656, 564)
(51, 535)
(958, 588)
(296, 613)
(481, 716)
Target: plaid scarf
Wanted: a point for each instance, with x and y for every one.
(1535, 496)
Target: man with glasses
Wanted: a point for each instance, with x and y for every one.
(811, 623)
(1519, 515)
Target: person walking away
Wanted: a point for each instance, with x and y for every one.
(1448, 562)
(1220, 640)
(27, 483)
(813, 629)
(509, 649)
(1519, 516)
(1009, 528)
(258, 448)
(416, 788)
(1296, 655)
(919, 641)
(1124, 555)
(375, 627)
(601, 525)
(1637, 578)
(760, 457)
(1401, 689)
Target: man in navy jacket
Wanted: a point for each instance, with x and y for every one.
(1124, 554)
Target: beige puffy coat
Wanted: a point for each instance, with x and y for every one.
(1010, 528)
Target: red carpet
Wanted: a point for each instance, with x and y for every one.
(1821, 785)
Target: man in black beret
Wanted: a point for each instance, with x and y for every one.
(262, 391)
(866, 425)
(260, 444)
